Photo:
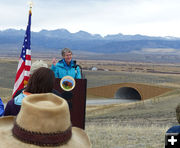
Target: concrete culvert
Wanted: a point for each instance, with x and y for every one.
(127, 93)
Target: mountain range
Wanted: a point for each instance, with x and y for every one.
(52, 40)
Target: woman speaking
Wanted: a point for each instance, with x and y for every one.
(66, 66)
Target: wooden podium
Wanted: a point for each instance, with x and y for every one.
(77, 98)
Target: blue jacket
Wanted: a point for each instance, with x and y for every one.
(14, 105)
(1, 107)
(61, 69)
(18, 99)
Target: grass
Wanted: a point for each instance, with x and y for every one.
(5, 94)
(7, 73)
(117, 136)
(133, 125)
(101, 78)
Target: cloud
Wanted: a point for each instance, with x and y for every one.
(148, 17)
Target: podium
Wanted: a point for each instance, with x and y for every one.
(77, 98)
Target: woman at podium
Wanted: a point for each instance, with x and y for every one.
(66, 66)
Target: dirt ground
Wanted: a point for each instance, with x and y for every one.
(132, 125)
(158, 111)
(122, 126)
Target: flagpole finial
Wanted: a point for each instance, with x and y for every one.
(30, 5)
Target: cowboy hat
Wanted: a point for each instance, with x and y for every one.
(43, 121)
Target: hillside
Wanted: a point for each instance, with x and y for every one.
(132, 125)
(83, 41)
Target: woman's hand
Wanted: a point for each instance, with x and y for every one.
(54, 61)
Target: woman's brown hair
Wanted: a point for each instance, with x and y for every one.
(41, 81)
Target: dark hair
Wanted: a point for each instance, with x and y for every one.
(41, 81)
(178, 113)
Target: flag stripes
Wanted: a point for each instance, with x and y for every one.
(24, 66)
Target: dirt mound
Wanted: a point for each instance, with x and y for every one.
(145, 91)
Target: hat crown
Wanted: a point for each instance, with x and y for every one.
(44, 113)
(37, 64)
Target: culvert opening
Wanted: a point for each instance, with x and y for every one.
(127, 93)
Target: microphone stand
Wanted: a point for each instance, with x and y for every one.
(75, 66)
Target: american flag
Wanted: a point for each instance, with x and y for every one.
(24, 66)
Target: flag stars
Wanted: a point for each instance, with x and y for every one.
(24, 60)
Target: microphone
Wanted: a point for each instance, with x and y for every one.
(75, 66)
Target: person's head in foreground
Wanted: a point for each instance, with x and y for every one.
(43, 121)
(178, 113)
(176, 128)
(37, 64)
(41, 81)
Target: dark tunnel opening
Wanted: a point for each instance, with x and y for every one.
(127, 93)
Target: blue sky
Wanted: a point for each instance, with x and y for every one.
(146, 17)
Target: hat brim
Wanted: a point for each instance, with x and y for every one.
(79, 138)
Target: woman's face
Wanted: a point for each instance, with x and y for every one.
(68, 57)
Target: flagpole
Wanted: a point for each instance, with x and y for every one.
(30, 6)
(24, 65)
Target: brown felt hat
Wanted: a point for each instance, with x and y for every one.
(43, 121)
